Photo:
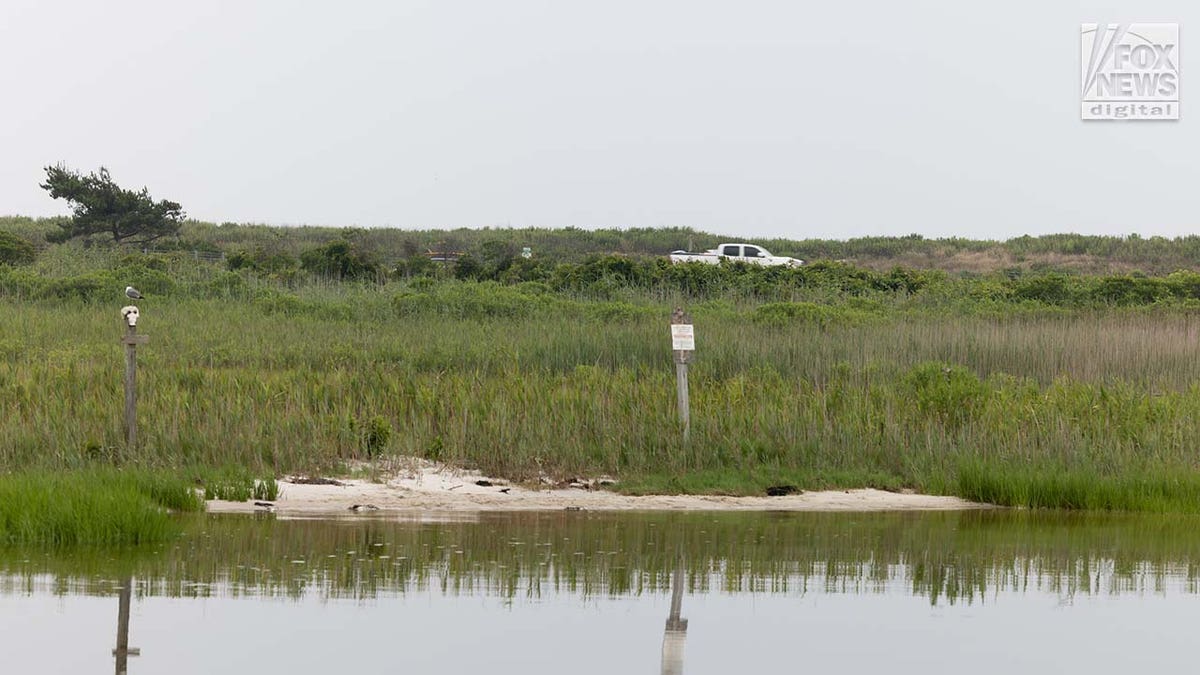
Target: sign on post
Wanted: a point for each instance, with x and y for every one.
(683, 337)
(683, 343)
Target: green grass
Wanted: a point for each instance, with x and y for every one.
(1155, 490)
(94, 507)
(836, 386)
(237, 484)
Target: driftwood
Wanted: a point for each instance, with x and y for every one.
(316, 480)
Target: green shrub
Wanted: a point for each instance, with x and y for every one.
(471, 300)
(86, 287)
(143, 261)
(1052, 289)
(151, 281)
(273, 301)
(226, 285)
(16, 251)
(339, 260)
(21, 282)
(1130, 290)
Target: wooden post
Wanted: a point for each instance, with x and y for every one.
(681, 393)
(123, 652)
(131, 387)
(131, 341)
(683, 343)
(676, 631)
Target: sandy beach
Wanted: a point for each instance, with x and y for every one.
(426, 486)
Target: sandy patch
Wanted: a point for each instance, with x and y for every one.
(421, 486)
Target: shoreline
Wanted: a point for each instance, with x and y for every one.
(427, 486)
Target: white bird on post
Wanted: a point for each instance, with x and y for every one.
(133, 293)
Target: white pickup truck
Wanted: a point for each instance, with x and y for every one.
(748, 253)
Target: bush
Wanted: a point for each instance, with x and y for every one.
(1052, 289)
(339, 260)
(272, 301)
(20, 282)
(86, 287)
(15, 251)
(1184, 284)
(1129, 290)
(261, 262)
(150, 281)
(226, 285)
(143, 261)
(471, 300)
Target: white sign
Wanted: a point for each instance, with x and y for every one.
(683, 338)
(1129, 71)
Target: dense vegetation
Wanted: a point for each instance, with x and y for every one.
(1042, 388)
(394, 248)
(101, 507)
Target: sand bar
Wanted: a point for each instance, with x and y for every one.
(426, 486)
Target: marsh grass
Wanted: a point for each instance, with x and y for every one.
(901, 399)
(236, 484)
(94, 507)
(1154, 489)
(822, 389)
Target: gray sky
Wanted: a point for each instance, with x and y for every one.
(756, 117)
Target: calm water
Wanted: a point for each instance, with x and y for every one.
(600, 593)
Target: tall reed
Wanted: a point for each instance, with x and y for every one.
(892, 391)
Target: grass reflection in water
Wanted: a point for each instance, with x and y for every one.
(947, 557)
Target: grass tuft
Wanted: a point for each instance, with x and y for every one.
(1156, 490)
(95, 507)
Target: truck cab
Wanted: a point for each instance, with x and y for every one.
(742, 251)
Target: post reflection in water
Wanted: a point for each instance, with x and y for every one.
(676, 631)
(892, 588)
(122, 651)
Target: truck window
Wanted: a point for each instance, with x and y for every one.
(750, 252)
(731, 250)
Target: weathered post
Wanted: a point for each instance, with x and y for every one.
(131, 340)
(683, 343)
(123, 651)
(676, 632)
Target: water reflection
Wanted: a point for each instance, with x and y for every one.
(123, 651)
(675, 634)
(946, 557)
(540, 590)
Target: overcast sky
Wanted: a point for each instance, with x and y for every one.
(754, 117)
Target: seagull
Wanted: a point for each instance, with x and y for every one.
(133, 293)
